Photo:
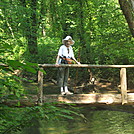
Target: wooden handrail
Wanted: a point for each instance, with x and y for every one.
(87, 66)
(82, 65)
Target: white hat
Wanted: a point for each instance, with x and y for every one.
(68, 38)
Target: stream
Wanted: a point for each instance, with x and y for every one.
(93, 120)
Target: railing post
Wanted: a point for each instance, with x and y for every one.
(123, 82)
(40, 86)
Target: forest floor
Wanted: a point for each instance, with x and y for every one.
(50, 87)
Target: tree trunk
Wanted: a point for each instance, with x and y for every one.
(32, 37)
(31, 27)
(127, 8)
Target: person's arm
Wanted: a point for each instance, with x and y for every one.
(57, 59)
(58, 56)
(76, 61)
(73, 58)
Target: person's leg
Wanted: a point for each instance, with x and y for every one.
(65, 83)
(66, 75)
(60, 79)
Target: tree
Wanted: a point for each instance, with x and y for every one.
(127, 7)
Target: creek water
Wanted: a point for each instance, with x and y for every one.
(93, 120)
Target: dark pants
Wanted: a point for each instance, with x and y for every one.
(63, 74)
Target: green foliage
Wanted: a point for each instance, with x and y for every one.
(15, 119)
(98, 27)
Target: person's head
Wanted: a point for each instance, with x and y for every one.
(68, 41)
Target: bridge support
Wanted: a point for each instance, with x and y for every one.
(123, 82)
(40, 86)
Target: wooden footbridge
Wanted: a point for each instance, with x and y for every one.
(92, 98)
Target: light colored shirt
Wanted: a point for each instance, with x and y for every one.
(66, 51)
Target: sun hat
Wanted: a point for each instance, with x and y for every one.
(68, 38)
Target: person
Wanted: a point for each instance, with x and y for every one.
(65, 52)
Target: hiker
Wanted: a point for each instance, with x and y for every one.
(65, 56)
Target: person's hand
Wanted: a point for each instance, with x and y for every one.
(56, 64)
(78, 63)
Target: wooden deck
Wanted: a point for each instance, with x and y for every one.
(94, 98)
(81, 99)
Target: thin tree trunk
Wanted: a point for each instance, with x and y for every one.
(82, 32)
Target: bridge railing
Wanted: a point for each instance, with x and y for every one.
(123, 76)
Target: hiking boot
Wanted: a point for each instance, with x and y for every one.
(63, 93)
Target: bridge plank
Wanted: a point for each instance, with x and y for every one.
(89, 98)
(94, 99)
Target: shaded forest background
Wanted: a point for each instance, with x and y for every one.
(31, 32)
